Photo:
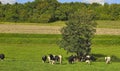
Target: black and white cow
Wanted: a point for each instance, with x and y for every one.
(58, 58)
(88, 59)
(2, 56)
(107, 60)
(44, 59)
(54, 58)
(72, 59)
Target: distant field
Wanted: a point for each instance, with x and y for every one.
(101, 24)
(108, 24)
(58, 23)
(24, 51)
(38, 29)
(103, 28)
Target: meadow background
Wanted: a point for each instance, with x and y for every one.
(23, 51)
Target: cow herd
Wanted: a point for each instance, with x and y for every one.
(74, 58)
(53, 59)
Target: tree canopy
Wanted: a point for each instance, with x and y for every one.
(78, 32)
(52, 10)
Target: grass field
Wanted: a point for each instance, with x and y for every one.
(103, 28)
(24, 51)
(108, 24)
(57, 23)
(100, 24)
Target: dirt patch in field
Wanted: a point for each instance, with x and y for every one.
(102, 31)
(36, 29)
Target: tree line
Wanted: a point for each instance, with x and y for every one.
(45, 11)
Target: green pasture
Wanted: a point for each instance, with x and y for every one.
(100, 24)
(24, 51)
(108, 24)
(57, 23)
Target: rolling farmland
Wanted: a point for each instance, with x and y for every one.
(24, 45)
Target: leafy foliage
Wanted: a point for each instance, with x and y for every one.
(78, 32)
(38, 10)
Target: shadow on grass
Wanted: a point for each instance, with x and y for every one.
(115, 58)
(101, 58)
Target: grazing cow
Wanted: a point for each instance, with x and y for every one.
(71, 59)
(58, 58)
(92, 58)
(44, 58)
(2, 56)
(87, 59)
(54, 58)
(51, 59)
(84, 58)
(108, 60)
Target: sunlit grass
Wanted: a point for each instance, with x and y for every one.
(58, 23)
(100, 24)
(108, 24)
(24, 51)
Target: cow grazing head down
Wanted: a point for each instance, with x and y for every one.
(2, 56)
(58, 58)
(108, 60)
(88, 59)
(72, 59)
(52, 59)
(44, 58)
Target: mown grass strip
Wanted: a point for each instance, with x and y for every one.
(100, 24)
(108, 24)
(53, 38)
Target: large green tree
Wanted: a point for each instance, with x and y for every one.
(78, 32)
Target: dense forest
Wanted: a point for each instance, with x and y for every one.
(51, 10)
